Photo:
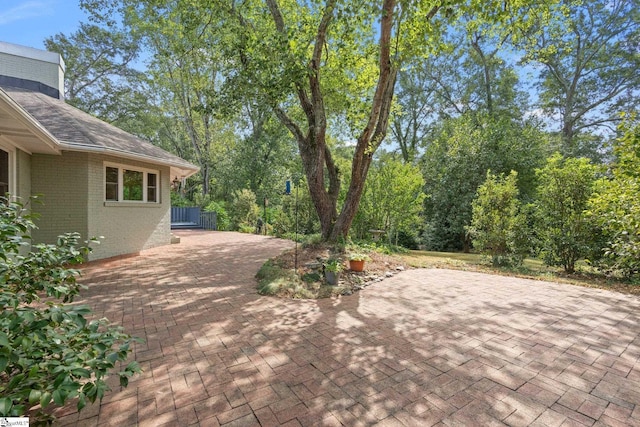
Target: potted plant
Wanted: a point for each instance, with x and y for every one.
(356, 261)
(332, 269)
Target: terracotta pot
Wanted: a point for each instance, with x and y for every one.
(356, 265)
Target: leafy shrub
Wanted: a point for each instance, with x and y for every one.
(407, 239)
(566, 235)
(222, 216)
(178, 200)
(498, 228)
(244, 211)
(615, 208)
(49, 351)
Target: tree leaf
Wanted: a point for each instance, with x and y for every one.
(45, 399)
(34, 396)
(5, 406)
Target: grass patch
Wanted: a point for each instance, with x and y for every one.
(531, 268)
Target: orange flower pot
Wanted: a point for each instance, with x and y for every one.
(356, 265)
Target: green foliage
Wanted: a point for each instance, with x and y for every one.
(244, 211)
(100, 77)
(222, 216)
(498, 227)
(456, 163)
(325, 68)
(392, 199)
(565, 233)
(590, 64)
(334, 265)
(615, 205)
(284, 219)
(49, 352)
(178, 200)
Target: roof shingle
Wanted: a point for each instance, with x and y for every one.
(77, 130)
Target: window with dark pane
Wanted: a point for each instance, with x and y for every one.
(111, 189)
(152, 187)
(132, 185)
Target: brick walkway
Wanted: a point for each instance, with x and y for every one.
(427, 347)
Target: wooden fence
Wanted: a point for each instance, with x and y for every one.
(192, 217)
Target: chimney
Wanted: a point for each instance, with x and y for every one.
(32, 69)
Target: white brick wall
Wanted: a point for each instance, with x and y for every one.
(127, 228)
(73, 189)
(62, 182)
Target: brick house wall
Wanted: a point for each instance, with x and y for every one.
(72, 188)
(127, 227)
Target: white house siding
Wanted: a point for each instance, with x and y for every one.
(61, 183)
(126, 227)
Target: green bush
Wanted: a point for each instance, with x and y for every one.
(566, 234)
(223, 221)
(615, 208)
(244, 211)
(498, 228)
(49, 351)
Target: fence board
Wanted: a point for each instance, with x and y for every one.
(192, 217)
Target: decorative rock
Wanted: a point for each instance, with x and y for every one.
(400, 268)
(389, 274)
(313, 265)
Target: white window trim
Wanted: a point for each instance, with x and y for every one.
(13, 179)
(121, 167)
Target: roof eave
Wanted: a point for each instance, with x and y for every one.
(51, 143)
(180, 169)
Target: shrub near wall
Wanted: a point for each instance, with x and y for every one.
(49, 352)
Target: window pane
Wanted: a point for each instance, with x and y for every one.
(152, 192)
(111, 180)
(132, 185)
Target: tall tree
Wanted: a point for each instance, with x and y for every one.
(470, 75)
(100, 76)
(314, 61)
(188, 78)
(261, 158)
(591, 67)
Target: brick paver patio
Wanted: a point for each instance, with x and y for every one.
(426, 347)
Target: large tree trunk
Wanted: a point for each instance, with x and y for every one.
(317, 161)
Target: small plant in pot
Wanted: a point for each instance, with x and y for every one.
(332, 269)
(357, 260)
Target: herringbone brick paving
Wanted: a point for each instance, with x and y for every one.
(426, 347)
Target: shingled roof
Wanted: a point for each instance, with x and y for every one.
(76, 130)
